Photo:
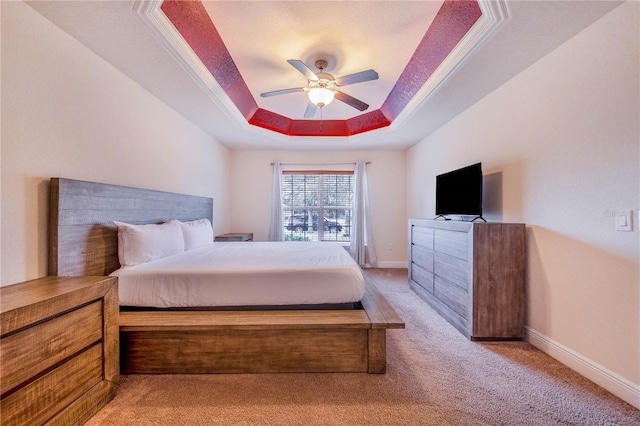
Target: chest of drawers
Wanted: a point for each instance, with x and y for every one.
(473, 274)
(58, 349)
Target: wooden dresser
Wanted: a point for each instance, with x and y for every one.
(58, 349)
(473, 274)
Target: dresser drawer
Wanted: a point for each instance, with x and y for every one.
(422, 257)
(423, 277)
(451, 295)
(422, 236)
(453, 243)
(453, 269)
(40, 400)
(31, 351)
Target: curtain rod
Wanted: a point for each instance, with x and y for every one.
(318, 164)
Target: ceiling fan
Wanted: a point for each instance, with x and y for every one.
(322, 87)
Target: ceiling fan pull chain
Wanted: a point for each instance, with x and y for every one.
(321, 118)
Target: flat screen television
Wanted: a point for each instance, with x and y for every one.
(459, 192)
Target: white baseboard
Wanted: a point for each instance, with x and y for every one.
(617, 385)
(392, 264)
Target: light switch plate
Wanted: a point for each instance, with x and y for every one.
(624, 220)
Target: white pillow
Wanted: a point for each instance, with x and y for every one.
(197, 233)
(143, 243)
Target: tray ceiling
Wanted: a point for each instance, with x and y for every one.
(353, 36)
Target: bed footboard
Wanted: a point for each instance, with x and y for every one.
(258, 341)
(244, 342)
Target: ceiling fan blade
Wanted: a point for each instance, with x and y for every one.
(351, 101)
(358, 77)
(311, 110)
(305, 70)
(282, 92)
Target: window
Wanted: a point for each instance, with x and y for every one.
(312, 197)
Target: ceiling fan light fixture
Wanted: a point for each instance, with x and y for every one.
(323, 87)
(321, 96)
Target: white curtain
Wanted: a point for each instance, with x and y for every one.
(362, 248)
(276, 230)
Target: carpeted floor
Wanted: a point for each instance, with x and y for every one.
(434, 377)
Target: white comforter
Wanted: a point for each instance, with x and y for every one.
(242, 273)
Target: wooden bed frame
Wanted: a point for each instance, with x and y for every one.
(83, 241)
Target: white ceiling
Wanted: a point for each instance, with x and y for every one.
(355, 36)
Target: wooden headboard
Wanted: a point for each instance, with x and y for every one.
(83, 239)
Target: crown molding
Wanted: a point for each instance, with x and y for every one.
(494, 15)
(151, 14)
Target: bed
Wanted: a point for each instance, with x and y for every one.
(250, 338)
(232, 275)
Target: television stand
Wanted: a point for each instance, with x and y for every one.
(472, 274)
(442, 216)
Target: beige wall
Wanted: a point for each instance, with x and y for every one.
(250, 186)
(560, 152)
(67, 113)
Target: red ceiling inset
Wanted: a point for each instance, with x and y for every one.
(454, 19)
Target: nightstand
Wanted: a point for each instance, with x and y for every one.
(238, 236)
(59, 349)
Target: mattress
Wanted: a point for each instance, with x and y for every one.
(244, 274)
